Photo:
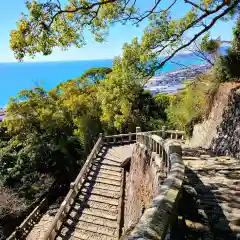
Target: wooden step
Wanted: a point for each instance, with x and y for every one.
(109, 172)
(93, 204)
(103, 180)
(111, 162)
(91, 227)
(101, 199)
(101, 192)
(101, 213)
(80, 234)
(100, 185)
(73, 216)
(107, 167)
(105, 175)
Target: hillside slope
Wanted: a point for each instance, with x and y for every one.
(219, 132)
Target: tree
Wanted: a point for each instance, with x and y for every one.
(93, 75)
(119, 92)
(227, 67)
(236, 37)
(49, 24)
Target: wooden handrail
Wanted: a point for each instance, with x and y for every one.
(23, 229)
(70, 198)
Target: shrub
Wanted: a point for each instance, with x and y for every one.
(192, 103)
(227, 67)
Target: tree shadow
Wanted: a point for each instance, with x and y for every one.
(204, 208)
(82, 204)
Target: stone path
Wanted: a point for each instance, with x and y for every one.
(95, 214)
(213, 184)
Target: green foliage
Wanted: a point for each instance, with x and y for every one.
(123, 87)
(236, 38)
(209, 45)
(164, 101)
(51, 133)
(50, 24)
(227, 67)
(192, 103)
(93, 75)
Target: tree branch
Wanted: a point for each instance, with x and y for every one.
(78, 9)
(197, 35)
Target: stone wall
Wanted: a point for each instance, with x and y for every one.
(142, 180)
(220, 132)
(227, 140)
(161, 209)
(204, 133)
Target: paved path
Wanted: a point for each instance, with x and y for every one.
(214, 185)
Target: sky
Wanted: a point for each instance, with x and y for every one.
(10, 13)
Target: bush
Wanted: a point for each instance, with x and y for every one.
(192, 103)
(227, 67)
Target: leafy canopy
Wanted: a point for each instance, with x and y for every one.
(50, 23)
(93, 75)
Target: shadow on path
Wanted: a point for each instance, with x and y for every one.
(200, 205)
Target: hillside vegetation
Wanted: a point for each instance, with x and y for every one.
(47, 135)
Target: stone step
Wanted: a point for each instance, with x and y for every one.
(103, 180)
(101, 213)
(101, 192)
(101, 199)
(94, 204)
(82, 235)
(104, 186)
(212, 180)
(107, 167)
(91, 227)
(218, 208)
(105, 175)
(73, 217)
(218, 197)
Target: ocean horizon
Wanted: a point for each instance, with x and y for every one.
(17, 76)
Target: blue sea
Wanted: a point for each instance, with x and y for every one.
(15, 77)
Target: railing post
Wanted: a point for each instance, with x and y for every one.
(163, 132)
(130, 137)
(138, 130)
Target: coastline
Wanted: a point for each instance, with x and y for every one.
(172, 81)
(164, 82)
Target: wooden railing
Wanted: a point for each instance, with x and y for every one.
(131, 137)
(157, 219)
(23, 230)
(75, 186)
(74, 189)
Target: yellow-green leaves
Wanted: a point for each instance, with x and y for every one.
(51, 24)
(209, 45)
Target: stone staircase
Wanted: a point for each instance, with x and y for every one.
(211, 206)
(97, 208)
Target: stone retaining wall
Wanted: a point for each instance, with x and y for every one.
(147, 185)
